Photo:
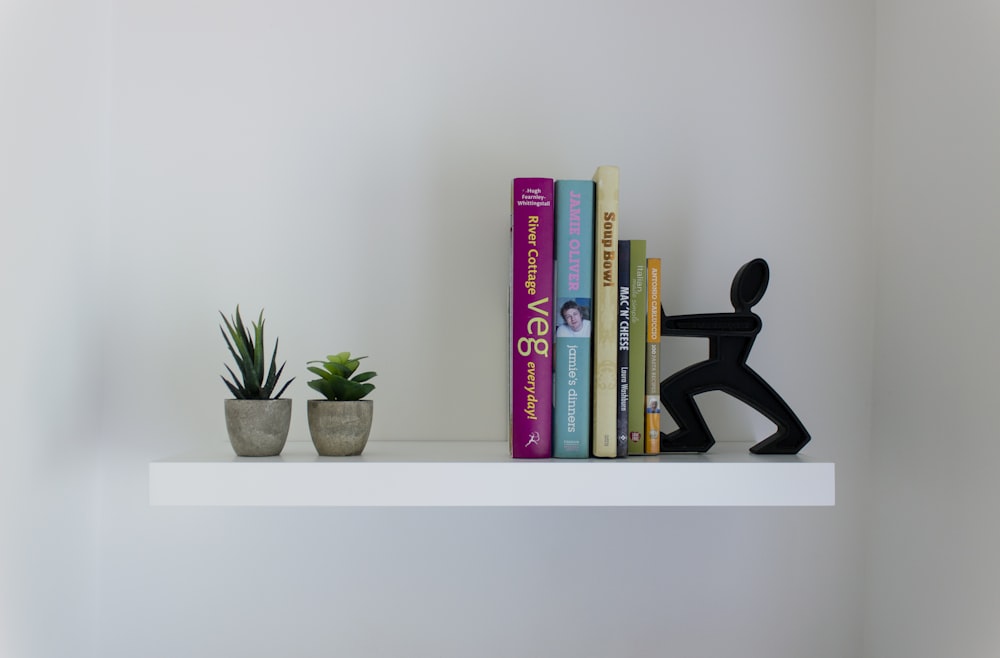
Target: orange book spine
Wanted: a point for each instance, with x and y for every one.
(653, 406)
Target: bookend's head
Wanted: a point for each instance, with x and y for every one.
(749, 285)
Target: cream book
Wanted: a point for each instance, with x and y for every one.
(604, 438)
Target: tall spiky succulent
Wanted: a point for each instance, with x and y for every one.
(249, 355)
(336, 381)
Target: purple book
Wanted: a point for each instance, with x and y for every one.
(532, 242)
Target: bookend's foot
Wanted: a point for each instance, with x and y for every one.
(685, 441)
(781, 443)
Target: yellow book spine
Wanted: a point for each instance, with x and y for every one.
(604, 438)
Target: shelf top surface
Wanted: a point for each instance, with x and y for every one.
(450, 451)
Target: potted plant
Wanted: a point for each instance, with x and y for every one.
(257, 422)
(340, 424)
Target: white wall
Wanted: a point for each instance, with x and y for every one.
(346, 167)
(935, 588)
(53, 76)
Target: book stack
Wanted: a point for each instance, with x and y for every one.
(584, 324)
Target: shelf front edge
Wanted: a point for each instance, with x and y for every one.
(588, 483)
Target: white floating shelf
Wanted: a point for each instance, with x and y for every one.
(481, 474)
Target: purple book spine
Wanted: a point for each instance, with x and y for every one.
(532, 268)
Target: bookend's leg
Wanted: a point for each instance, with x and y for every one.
(791, 434)
(677, 396)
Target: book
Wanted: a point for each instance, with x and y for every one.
(653, 407)
(574, 212)
(637, 350)
(624, 330)
(605, 324)
(532, 243)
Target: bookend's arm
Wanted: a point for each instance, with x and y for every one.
(709, 325)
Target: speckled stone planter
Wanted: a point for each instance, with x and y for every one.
(258, 428)
(339, 429)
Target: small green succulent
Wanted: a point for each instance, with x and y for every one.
(249, 355)
(336, 381)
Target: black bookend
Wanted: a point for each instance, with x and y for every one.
(731, 335)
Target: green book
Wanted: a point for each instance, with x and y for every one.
(637, 349)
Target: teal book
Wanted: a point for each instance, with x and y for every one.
(574, 253)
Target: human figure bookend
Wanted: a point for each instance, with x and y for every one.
(731, 335)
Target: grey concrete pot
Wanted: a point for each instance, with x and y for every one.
(258, 428)
(339, 429)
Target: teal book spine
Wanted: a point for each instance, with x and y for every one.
(571, 419)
